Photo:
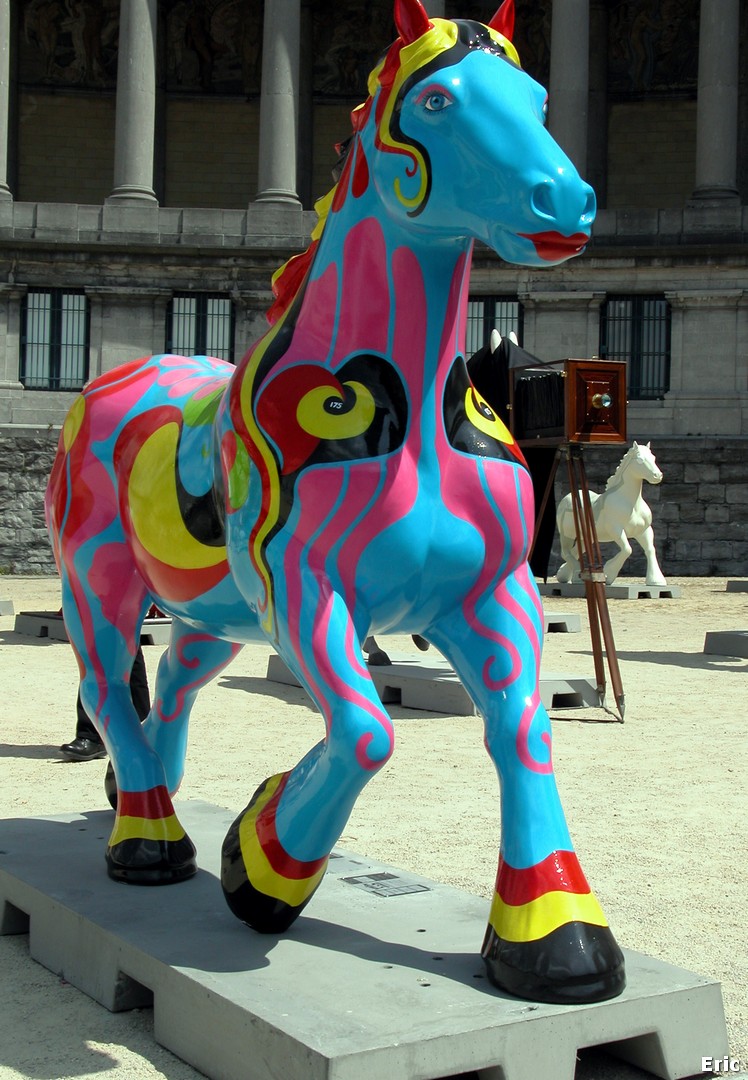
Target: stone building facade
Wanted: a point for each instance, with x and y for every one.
(146, 203)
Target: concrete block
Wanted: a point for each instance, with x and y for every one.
(556, 623)
(433, 686)
(737, 586)
(379, 979)
(49, 624)
(6, 607)
(136, 222)
(620, 590)
(727, 642)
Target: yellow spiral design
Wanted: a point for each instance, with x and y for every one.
(481, 415)
(153, 484)
(326, 423)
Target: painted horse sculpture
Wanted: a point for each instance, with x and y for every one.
(345, 479)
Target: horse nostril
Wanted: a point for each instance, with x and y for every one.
(541, 200)
(590, 206)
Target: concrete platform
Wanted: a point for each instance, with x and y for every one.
(6, 607)
(727, 642)
(48, 624)
(737, 586)
(379, 979)
(431, 684)
(618, 591)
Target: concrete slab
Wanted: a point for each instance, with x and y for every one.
(618, 591)
(379, 979)
(739, 585)
(49, 624)
(414, 683)
(6, 607)
(727, 642)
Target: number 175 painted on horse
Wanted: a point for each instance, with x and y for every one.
(345, 479)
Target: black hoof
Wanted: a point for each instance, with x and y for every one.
(151, 862)
(576, 964)
(263, 911)
(110, 786)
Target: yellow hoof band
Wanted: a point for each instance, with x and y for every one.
(264, 886)
(145, 815)
(536, 919)
(267, 866)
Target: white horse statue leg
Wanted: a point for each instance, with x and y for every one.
(655, 575)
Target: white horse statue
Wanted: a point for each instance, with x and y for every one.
(620, 512)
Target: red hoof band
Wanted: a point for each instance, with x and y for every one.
(148, 845)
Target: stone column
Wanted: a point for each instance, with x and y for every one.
(136, 102)
(5, 192)
(569, 89)
(717, 107)
(279, 103)
(597, 127)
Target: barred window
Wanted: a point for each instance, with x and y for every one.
(486, 313)
(199, 324)
(54, 340)
(637, 329)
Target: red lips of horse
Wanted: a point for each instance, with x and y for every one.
(554, 246)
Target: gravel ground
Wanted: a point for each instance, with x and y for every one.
(657, 806)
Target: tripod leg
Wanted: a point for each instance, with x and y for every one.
(584, 547)
(594, 577)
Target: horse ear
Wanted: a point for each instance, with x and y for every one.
(411, 20)
(503, 20)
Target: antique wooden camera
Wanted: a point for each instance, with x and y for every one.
(574, 401)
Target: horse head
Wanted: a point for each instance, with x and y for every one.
(455, 139)
(644, 462)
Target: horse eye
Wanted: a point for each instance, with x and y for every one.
(436, 102)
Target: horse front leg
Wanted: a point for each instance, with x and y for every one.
(613, 566)
(276, 852)
(655, 575)
(547, 938)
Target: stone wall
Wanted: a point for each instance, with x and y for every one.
(26, 459)
(700, 510)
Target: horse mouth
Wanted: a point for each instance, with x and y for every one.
(554, 246)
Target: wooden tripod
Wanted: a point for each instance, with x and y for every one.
(591, 564)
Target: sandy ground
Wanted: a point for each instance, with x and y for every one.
(657, 806)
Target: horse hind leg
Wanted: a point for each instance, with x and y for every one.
(148, 845)
(569, 569)
(190, 661)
